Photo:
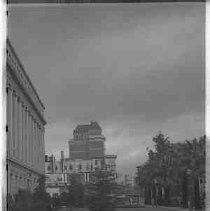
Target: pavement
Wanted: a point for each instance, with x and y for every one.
(146, 208)
(150, 208)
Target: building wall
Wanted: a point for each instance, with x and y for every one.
(87, 142)
(110, 161)
(25, 127)
(87, 149)
(84, 168)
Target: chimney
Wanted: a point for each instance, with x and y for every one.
(62, 161)
(62, 155)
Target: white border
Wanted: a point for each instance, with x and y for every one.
(3, 100)
(3, 174)
(207, 59)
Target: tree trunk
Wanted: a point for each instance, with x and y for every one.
(167, 195)
(197, 195)
(184, 191)
(147, 195)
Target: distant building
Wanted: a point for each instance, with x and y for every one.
(86, 156)
(59, 172)
(25, 127)
(80, 166)
(49, 164)
(88, 142)
(56, 183)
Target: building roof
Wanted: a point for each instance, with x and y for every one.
(86, 128)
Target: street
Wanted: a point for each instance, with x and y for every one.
(147, 208)
(150, 209)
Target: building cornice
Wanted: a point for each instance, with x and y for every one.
(25, 167)
(19, 72)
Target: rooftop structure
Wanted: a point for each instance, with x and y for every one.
(87, 142)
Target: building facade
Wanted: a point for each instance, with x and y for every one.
(59, 172)
(86, 156)
(79, 166)
(25, 127)
(88, 142)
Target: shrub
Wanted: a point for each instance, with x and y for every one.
(42, 206)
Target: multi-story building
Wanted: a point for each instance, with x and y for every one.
(59, 172)
(79, 166)
(88, 142)
(25, 127)
(86, 156)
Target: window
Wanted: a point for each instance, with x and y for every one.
(96, 162)
(59, 179)
(65, 167)
(48, 168)
(56, 168)
(55, 195)
(70, 167)
(87, 166)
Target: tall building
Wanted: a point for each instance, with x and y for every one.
(88, 142)
(25, 127)
(86, 157)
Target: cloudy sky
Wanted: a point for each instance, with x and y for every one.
(135, 68)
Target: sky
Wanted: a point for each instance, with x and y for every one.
(136, 69)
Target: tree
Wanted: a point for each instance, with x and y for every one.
(40, 193)
(23, 201)
(41, 199)
(100, 192)
(168, 168)
(76, 191)
(156, 172)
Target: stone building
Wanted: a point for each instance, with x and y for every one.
(88, 142)
(86, 156)
(59, 172)
(25, 127)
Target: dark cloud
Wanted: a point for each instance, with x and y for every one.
(136, 69)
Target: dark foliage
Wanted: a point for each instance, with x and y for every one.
(99, 193)
(25, 201)
(175, 168)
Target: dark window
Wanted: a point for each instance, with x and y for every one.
(70, 167)
(96, 162)
(46, 158)
(65, 167)
(56, 168)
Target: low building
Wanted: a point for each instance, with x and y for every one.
(56, 183)
(85, 167)
(59, 172)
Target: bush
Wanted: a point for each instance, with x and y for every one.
(26, 201)
(21, 207)
(40, 207)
